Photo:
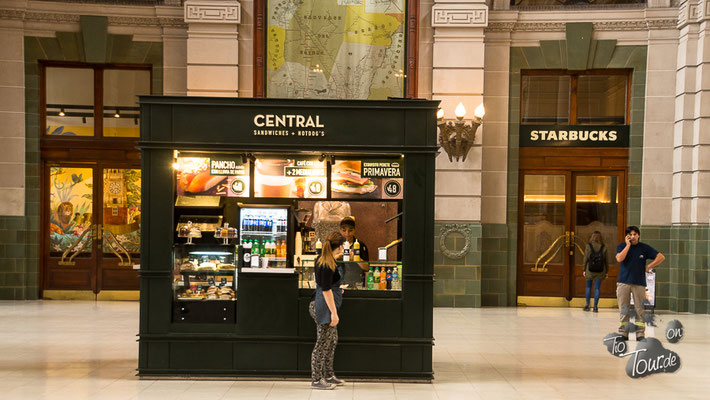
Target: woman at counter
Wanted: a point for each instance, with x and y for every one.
(324, 311)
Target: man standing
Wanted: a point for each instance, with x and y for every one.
(632, 256)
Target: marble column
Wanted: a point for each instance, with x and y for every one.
(212, 48)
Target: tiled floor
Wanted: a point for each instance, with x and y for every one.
(87, 350)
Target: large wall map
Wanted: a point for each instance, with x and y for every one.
(335, 49)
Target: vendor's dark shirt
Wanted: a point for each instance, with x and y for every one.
(325, 277)
(633, 268)
(364, 253)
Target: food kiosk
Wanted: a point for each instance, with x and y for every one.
(237, 192)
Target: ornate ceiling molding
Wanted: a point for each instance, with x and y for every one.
(227, 12)
(459, 15)
(637, 25)
(62, 18)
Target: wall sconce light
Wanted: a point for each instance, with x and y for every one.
(61, 112)
(456, 137)
(118, 114)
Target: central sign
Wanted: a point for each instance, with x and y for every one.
(574, 135)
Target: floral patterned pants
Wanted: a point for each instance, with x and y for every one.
(324, 350)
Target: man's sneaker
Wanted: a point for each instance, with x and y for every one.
(322, 385)
(596, 309)
(586, 308)
(335, 381)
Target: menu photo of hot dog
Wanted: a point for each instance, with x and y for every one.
(211, 177)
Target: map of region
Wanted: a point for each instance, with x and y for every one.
(335, 49)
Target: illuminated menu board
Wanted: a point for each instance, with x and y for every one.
(212, 176)
(290, 178)
(367, 179)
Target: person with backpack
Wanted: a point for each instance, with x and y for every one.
(596, 267)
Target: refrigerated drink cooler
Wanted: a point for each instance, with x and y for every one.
(264, 231)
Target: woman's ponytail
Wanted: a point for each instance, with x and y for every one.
(333, 241)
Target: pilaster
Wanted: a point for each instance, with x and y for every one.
(458, 76)
(212, 47)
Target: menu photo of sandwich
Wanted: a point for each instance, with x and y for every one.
(347, 180)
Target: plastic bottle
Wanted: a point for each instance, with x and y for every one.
(383, 279)
(370, 280)
(395, 279)
(269, 226)
(346, 251)
(376, 277)
(247, 254)
(356, 251)
(389, 279)
(319, 247)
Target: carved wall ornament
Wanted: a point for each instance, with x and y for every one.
(448, 229)
(213, 12)
(455, 15)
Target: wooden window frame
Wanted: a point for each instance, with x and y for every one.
(411, 48)
(98, 140)
(574, 78)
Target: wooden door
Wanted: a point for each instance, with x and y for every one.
(91, 220)
(559, 210)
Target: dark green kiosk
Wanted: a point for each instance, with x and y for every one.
(218, 313)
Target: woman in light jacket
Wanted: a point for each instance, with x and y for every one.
(324, 311)
(595, 245)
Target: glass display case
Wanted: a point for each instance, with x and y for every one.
(358, 275)
(264, 232)
(204, 283)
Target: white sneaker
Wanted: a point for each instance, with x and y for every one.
(322, 385)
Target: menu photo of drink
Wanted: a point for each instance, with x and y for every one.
(367, 179)
(302, 178)
(212, 176)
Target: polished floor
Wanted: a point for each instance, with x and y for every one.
(88, 350)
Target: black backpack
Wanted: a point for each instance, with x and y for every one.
(596, 259)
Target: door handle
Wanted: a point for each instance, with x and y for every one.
(571, 243)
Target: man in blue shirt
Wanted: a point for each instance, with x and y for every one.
(632, 256)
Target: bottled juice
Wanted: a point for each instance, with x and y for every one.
(356, 251)
(383, 279)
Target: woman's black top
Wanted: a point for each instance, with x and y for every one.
(325, 277)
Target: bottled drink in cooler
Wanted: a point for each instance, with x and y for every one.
(389, 279)
(376, 278)
(395, 278)
(269, 225)
(370, 280)
(383, 279)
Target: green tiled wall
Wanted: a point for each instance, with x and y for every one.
(683, 279)
(495, 273)
(20, 236)
(457, 282)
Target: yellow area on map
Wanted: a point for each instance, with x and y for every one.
(277, 40)
(369, 28)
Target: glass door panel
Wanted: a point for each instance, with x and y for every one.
(596, 209)
(70, 208)
(544, 201)
(121, 211)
